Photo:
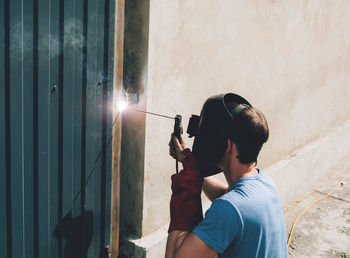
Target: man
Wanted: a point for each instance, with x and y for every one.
(245, 218)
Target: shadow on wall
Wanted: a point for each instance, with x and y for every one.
(133, 130)
(136, 30)
(77, 234)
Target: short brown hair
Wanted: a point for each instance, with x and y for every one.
(250, 132)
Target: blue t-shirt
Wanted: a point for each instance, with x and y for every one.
(247, 221)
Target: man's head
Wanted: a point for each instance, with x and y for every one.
(249, 132)
(223, 117)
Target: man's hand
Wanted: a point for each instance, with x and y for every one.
(176, 148)
(185, 203)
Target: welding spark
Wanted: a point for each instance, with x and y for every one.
(122, 105)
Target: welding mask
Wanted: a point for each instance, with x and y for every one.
(212, 129)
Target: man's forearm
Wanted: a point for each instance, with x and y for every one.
(214, 188)
(175, 239)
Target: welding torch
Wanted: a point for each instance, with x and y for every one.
(177, 133)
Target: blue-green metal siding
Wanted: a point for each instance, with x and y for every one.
(56, 74)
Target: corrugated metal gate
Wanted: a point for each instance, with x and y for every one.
(56, 60)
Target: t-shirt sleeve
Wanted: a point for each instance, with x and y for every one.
(220, 227)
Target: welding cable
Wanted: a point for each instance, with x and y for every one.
(308, 207)
(95, 164)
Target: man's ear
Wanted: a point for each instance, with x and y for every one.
(229, 146)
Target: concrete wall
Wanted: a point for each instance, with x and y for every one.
(289, 58)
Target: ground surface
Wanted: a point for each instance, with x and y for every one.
(323, 230)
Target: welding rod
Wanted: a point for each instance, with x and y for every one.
(155, 114)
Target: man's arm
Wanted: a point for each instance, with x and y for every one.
(185, 244)
(214, 188)
(185, 207)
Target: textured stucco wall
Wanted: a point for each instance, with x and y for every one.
(288, 58)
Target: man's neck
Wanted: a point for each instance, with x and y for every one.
(235, 174)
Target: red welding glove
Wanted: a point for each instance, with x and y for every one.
(185, 203)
